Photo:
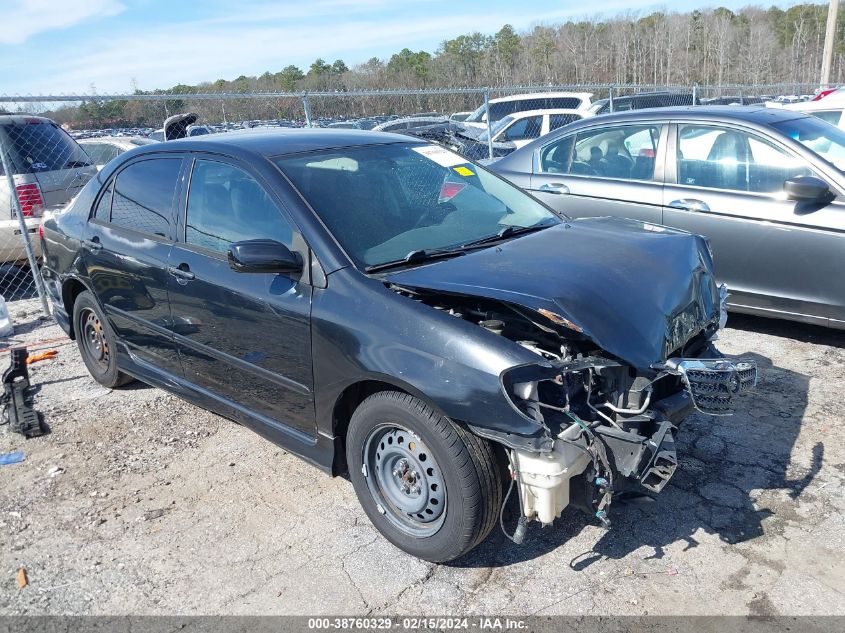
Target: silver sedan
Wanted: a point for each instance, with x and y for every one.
(765, 185)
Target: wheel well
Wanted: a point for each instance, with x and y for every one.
(351, 397)
(345, 406)
(70, 291)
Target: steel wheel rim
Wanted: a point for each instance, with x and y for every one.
(405, 480)
(93, 339)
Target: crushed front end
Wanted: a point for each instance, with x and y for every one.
(614, 427)
(624, 347)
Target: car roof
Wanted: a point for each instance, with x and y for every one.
(18, 118)
(278, 142)
(526, 113)
(755, 114)
(540, 95)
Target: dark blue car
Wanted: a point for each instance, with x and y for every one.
(381, 307)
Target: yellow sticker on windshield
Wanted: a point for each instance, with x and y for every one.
(463, 171)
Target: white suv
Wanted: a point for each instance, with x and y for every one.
(503, 106)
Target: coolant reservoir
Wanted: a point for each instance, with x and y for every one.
(544, 477)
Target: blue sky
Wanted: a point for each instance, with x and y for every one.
(65, 46)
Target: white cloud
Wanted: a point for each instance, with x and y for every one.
(26, 18)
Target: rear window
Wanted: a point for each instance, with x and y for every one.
(501, 109)
(101, 153)
(39, 146)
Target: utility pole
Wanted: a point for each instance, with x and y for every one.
(829, 35)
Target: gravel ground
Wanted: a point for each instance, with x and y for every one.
(139, 503)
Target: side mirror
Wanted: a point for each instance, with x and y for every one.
(263, 256)
(806, 189)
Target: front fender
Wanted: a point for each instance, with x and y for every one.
(363, 331)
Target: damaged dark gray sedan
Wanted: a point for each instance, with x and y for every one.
(381, 307)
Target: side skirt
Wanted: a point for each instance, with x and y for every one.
(321, 451)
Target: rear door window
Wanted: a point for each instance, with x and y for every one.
(564, 103)
(143, 196)
(39, 145)
(522, 129)
(625, 151)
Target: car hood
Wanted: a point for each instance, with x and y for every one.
(637, 290)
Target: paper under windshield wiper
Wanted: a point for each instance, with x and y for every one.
(414, 257)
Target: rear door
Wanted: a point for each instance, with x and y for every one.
(56, 161)
(128, 240)
(246, 337)
(774, 254)
(614, 170)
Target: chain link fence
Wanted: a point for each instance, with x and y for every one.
(52, 145)
(41, 168)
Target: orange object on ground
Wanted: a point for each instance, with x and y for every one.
(34, 358)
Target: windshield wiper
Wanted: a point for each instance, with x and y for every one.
(415, 257)
(506, 232)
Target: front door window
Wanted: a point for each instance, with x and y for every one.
(724, 158)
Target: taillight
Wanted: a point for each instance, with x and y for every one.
(29, 195)
(450, 189)
(41, 230)
(823, 93)
(647, 152)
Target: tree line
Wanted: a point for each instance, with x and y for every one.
(751, 46)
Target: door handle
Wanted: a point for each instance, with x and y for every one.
(182, 272)
(554, 187)
(689, 204)
(94, 243)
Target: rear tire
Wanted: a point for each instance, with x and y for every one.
(431, 488)
(96, 341)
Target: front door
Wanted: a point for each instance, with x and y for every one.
(775, 255)
(127, 244)
(608, 170)
(245, 337)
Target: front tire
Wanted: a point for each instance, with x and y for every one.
(96, 341)
(429, 486)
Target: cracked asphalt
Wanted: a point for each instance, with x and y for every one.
(139, 503)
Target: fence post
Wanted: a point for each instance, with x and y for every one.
(16, 205)
(695, 94)
(307, 108)
(487, 116)
(610, 97)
